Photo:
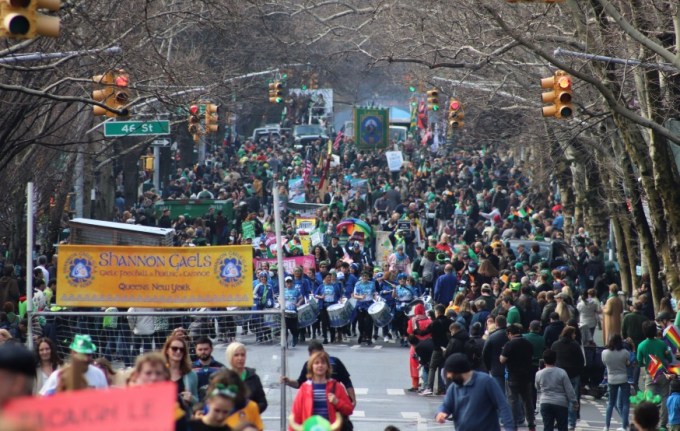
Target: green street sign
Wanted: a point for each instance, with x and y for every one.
(136, 128)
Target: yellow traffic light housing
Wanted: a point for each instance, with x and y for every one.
(275, 92)
(456, 114)
(147, 163)
(314, 81)
(433, 100)
(20, 19)
(104, 94)
(559, 97)
(211, 118)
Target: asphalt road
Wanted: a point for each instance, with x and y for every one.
(380, 375)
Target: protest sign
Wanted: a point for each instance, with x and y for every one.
(395, 160)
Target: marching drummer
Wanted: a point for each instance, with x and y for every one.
(363, 293)
(328, 293)
(263, 298)
(388, 293)
(405, 294)
(293, 299)
(304, 286)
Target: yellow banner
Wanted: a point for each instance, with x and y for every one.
(155, 277)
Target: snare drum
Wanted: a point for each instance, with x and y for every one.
(380, 313)
(314, 304)
(339, 315)
(306, 316)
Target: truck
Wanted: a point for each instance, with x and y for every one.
(99, 232)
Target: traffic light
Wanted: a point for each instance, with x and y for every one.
(275, 92)
(559, 97)
(456, 114)
(104, 94)
(121, 93)
(433, 100)
(314, 81)
(20, 19)
(211, 118)
(194, 122)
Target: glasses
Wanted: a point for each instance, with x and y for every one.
(176, 349)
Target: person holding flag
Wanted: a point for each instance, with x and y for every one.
(654, 355)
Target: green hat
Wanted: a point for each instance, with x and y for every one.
(414, 275)
(83, 344)
(274, 267)
(442, 257)
(431, 250)
(515, 285)
(519, 265)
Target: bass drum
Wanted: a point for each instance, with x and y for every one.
(306, 316)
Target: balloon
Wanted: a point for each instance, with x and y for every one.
(640, 396)
(656, 399)
(633, 399)
(316, 423)
(649, 395)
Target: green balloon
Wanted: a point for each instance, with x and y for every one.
(633, 399)
(316, 423)
(649, 395)
(640, 396)
(656, 399)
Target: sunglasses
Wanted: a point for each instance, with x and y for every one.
(177, 349)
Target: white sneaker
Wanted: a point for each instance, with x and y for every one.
(386, 339)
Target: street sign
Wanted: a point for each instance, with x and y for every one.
(136, 128)
(160, 143)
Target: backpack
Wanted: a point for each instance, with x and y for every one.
(473, 350)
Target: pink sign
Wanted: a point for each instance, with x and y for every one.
(289, 263)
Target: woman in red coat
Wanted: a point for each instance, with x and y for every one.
(320, 395)
(418, 321)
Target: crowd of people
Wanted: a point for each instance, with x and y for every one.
(466, 286)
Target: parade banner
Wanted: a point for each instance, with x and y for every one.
(289, 263)
(296, 190)
(395, 159)
(248, 229)
(139, 408)
(306, 244)
(383, 246)
(372, 127)
(154, 277)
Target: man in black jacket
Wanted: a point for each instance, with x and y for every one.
(516, 356)
(459, 336)
(439, 328)
(335, 251)
(570, 358)
(492, 352)
(553, 330)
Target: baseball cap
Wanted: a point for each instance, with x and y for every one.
(665, 315)
(457, 363)
(288, 278)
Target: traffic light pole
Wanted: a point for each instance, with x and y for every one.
(201, 149)
(157, 168)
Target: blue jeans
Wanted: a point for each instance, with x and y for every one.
(576, 384)
(554, 416)
(618, 398)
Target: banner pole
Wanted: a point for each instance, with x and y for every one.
(282, 286)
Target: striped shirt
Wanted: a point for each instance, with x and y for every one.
(320, 400)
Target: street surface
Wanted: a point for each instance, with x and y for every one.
(380, 375)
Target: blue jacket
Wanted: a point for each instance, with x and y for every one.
(263, 296)
(444, 288)
(477, 405)
(673, 404)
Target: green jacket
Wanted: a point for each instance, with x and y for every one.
(632, 327)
